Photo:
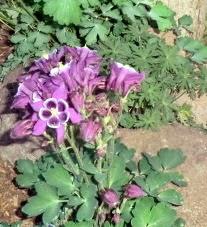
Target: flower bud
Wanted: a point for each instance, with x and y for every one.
(89, 130)
(110, 197)
(22, 129)
(133, 191)
(77, 101)
(116, 218)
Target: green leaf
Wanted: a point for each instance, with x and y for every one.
(126, 212)
(25, 166)
(17, 38)
(161, 216)
(75, 201)
(171, 158)
(64, 11)
(46, 200)
(156, 180)
(117, 174)
(26, 180)
(171, 196)
(60, 178)
(185, 20)
(141, 212)
(132, 11)
(51, 213)
(79, 224)
(179, 223)
(163, 15)
(87, 3)
(201, 56)
(144, 166)
(177, 179)
(93, 31)
(89, 167)
(44, 28)
(154, 161)
(87, 209)
(65, 36)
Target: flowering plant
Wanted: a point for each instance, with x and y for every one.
(90, 178)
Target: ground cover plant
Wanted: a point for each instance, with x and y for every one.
(117, 29)
(88, 177)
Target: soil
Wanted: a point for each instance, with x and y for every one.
(191, 140)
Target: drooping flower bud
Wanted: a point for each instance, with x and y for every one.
(110, 197)
(116, 218)
(22, 129)
(89, 130)
(133, 191)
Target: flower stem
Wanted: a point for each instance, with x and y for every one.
(68, 161)
(71, 140)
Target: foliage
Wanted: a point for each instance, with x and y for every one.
(119, 29)
(89, 178)
(60, 195)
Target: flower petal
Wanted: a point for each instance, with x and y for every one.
(60, 134)
(53, 122)
(39, 127)
(36, 106)
(74, 116)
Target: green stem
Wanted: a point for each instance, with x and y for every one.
(109, 158)
(178, 96)
(71, 140)
(68, 161)
(97, 215)
(27, 10)
(3, 22)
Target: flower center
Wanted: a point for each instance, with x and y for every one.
(54, 112)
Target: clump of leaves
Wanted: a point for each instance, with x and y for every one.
(168, 74)
(59, 196)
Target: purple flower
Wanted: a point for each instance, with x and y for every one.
(116, 218)
(54, 113)
(22, 129)
(89, 130)
(110, 197)
(123, 79)
(133, 191)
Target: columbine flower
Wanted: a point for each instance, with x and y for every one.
(89, 130)
(110, 197)
(123, 79)
(22, 129)
(133, 191)
(54, 113)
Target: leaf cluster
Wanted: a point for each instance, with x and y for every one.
(59, 195)
(167, 74)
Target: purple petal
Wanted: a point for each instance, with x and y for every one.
(74, 116)
(36, 106)
(50, 103)
(60, 93)
(53, 122)
(39, 127)
(44, 114)
(63, 117)
(22, 129)
(60, 134)
(62, 105)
